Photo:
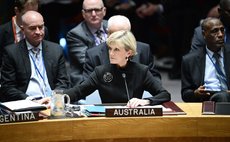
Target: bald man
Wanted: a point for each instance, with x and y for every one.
(33, 67)
(11, 31)
(99, 55)
(85, 36)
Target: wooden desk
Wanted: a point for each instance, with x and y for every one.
(184, 128)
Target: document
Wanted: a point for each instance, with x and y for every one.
(24, 105)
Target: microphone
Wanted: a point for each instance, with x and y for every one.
(126, 87)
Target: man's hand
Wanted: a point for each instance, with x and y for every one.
(146, 10)
(201, 91)
(45, 101)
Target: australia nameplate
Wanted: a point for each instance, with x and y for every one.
(132, 112)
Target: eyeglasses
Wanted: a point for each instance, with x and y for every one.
(96, 10)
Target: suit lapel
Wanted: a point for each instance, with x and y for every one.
(46, 58)
(227, 62)
(9, 37)
(89, 35)
(200, 60)
(105, 26)
(104, 55)
(25, 56)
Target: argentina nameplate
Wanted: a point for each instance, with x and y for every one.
(132, 112)
(19, 117)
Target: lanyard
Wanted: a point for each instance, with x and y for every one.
(37, 70)
(14, 30)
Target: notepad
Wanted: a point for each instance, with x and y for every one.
(95, 109)
(24, 105)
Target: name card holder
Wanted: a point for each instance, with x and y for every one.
(133, 112)
(19, 117)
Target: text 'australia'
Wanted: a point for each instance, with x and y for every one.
(134, 112)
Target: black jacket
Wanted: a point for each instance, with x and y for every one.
(110, 83)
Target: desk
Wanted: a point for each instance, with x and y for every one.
(184, 128)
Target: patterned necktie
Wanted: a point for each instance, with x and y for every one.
(99, 35)
(220, 72)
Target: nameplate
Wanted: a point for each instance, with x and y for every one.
(19, 117)
(132, 112)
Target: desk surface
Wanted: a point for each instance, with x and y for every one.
(190, 127)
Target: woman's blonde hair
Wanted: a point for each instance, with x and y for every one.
(125, 39)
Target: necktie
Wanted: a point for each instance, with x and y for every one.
(38, 63)
(99, 35)
(220, 72)
(227, 36)
(35, 52)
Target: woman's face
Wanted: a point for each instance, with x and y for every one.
(118, 55)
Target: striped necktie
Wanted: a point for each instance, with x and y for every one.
(220, 72)
(99, 35)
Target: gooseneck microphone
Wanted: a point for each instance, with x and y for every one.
(126, 87)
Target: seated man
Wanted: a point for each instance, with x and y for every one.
(205, 73)
(85, 36)
(99, 55)
(198, 39)
(11, 32)
(33, 67)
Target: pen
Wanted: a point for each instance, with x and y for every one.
(36, 98)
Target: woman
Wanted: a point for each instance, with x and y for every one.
(121, 81)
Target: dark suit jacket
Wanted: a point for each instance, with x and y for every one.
(7, 36)
(193, 72)
(109, 81)
(197, 39)
(79, 40)
(99, 56)
(16, 69)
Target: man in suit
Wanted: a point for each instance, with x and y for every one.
(10, 32)
(33, 67)
(99, 55)
(223, 10)
(206, 72)
(84, 36)
(178, 14)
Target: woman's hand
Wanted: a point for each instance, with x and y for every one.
(134, 102)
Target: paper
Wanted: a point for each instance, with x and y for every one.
(95, 109)
(24, 105)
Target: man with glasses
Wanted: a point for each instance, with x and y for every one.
(89, 33)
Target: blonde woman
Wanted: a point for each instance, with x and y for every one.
(122, 81)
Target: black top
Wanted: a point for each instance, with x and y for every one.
(110, 83)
